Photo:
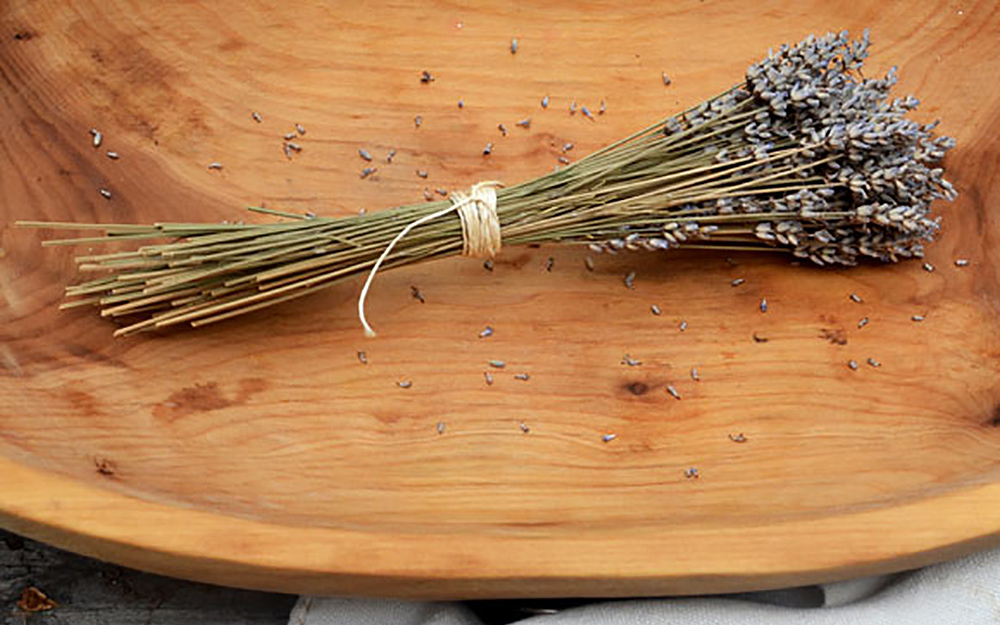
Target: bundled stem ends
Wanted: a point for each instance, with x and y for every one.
(803, 156)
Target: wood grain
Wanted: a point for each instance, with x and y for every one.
(261, 453)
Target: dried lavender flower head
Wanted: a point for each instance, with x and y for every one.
(842, 173)
(880, 165)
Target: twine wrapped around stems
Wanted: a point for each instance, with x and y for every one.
(477, 211)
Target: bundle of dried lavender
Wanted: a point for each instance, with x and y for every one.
(804, 156)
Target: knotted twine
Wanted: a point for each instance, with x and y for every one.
(477, 210)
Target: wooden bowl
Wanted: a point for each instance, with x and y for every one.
(262, 453)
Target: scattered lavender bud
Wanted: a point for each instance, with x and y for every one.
(426, 77)
(929, 268)
(256, 117)
(567, 147)
(874, 363)
(655, 310)
(666, 79)
(368, 171)
(673, 391)
(461, 104)
(588, 262)
(737, 282)
(428, 195)
(294, 146)
(917, 318)
(856, 298)
(105, 194)
(550, 263)
(763, 304)
(404, 383)
(215, 165)
(440, 427)
(632, 362)
(390, 156)
(289, 136)
(299, 129)
(363, 357)
(487, 332)
(545, 102)
(417, 295)
(691, 473)
(694, 374)
(629, 280)
(682, 326)
(757, 338)
(853, 365)
(489, 378)
(365, 154)
(488, 149)
(603, 108)
(524, 123)
(564, 160)
(113, 155)
(488, 265)
(497, 364)
(587, 113)
(738, 438)
(513, 46)
(422, 173)
(97, 137)
(524, 427)
(502, 129)
(961, 262)
(524, 377)
(441, 192)
(607, 438)
(863, 322)
(572, 108)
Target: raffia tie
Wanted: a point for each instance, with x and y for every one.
(477, 210)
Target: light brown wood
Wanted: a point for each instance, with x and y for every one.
(261, 453)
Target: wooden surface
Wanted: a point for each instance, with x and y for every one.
(261, 453)
(88, 592)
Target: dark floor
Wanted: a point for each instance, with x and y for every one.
(89, 592)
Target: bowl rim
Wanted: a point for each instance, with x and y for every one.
(691, 559)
